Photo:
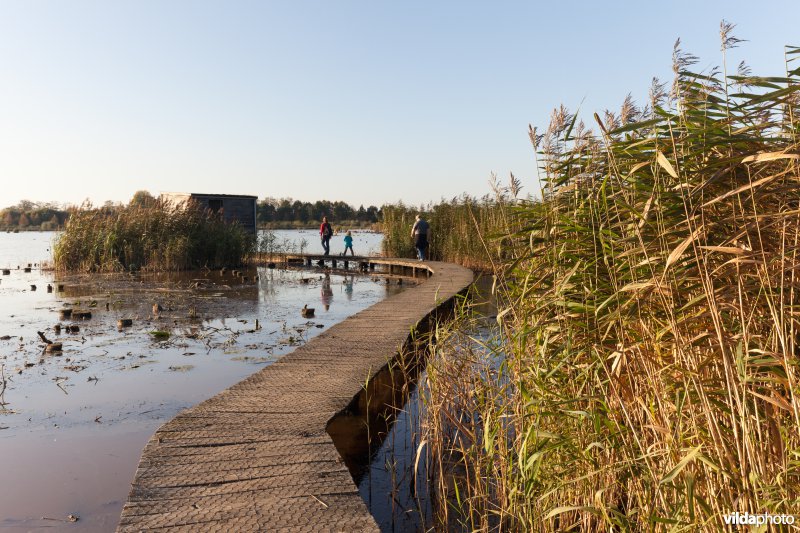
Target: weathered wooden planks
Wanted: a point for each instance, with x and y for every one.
(256, 456)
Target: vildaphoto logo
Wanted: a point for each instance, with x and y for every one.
(747, 519)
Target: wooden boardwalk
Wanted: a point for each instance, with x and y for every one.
(256, 457)
(409, 267)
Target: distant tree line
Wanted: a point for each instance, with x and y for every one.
(274, 211)
(33, 215)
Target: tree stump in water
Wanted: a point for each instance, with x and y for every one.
(53, 347)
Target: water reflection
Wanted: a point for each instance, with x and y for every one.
(109, 383)
(391, 477)
(326, 293)
(348, 287)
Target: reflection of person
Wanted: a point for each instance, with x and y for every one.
(325, 233)
(348, 287)
(326, 294)
(420, 233)
(348, 244)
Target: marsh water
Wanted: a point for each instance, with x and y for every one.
(396, 480)
(73, 423)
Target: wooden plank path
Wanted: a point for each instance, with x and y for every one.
(256, 457)
(410, 267)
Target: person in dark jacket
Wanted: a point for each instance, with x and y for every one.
(421, 233)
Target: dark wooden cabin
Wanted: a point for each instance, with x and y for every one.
(233, 207)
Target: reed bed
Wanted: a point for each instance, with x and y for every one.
(645, 373)
(465, 230)
(153, 238)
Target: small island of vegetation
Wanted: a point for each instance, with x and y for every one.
(155, 236)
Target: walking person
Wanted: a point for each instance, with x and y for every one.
(348, 243)
(420, 233)
(325, 233)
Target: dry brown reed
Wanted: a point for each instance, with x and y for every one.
(465, 230)
(646, 376)
(158, 237)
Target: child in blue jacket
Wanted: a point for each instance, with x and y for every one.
(348, 244)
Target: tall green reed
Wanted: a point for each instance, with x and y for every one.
(650, 372)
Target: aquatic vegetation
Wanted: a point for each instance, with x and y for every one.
(160, 335)
(646, 374)
(156, 237)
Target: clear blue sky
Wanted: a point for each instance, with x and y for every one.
(362, 101)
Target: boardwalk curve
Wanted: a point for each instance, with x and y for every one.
(256, 457)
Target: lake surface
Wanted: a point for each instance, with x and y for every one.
(18, 249)
(364, 242)
(73, 424)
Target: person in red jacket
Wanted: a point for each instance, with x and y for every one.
(325, 233)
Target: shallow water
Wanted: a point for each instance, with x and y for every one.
(394, 481)
(308, 241)
(72, 424)
(17, 249)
